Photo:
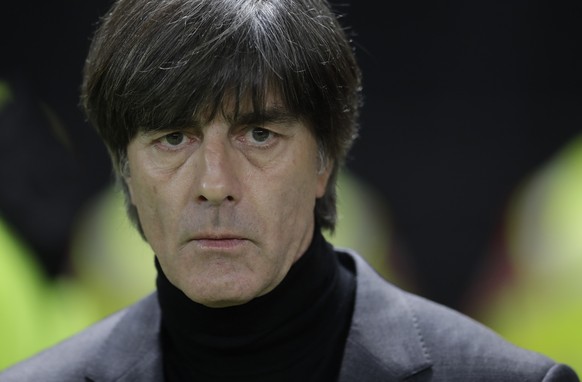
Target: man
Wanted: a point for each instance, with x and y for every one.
(227, 122)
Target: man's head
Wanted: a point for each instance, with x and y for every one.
(225, 118)
(154, 65)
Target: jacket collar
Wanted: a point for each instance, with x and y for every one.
(132, 351)
(384, 342)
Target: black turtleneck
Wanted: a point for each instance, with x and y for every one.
(296, 332)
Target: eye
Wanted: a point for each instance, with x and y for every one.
(173, 139)
(260, 135)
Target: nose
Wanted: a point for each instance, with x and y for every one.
(217, 180)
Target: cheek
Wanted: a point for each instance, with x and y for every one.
(142, 193)
(147, 198)
(293, 200)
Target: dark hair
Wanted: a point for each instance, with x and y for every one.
(159, 64)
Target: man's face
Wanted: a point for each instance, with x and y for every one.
(227, 206)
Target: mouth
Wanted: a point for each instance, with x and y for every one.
(219, 241)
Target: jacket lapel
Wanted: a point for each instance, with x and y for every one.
(132, 351)
(384, 342)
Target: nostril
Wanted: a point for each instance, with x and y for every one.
(202, 198)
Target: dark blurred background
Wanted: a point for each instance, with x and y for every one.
(464, 100)
(51, 162)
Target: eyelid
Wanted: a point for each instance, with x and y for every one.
(246, 138)
(157, 140)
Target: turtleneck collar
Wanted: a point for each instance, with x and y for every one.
(297, 330)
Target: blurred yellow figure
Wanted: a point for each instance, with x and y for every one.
(34, 312)
(109, 257)
(5, 94)
(363, 224)
(540, 307)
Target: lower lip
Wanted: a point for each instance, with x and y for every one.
(220, 243)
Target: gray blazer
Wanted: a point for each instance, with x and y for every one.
(394, 336)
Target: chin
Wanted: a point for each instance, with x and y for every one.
(222, 303)
(221, 300)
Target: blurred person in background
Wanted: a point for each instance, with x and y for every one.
(532, 293)
(227, 123)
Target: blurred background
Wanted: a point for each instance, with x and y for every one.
(465, 185)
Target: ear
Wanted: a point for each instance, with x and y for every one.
(126, 182)
(322, 178)
(128, 187)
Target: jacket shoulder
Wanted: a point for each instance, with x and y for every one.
(461, 348)
(409, 336)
